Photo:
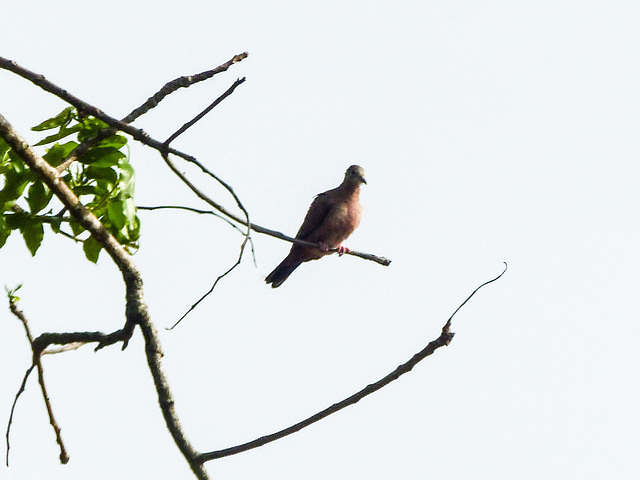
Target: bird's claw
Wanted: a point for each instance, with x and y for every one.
(342, 250)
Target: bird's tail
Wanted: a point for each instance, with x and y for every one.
(282, 271)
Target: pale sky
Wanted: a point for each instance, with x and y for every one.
(490, 131)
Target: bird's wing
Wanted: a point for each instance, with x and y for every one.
(316, 215)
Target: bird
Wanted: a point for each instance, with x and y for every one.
(331, 218)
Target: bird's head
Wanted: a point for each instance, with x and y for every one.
(355, 175)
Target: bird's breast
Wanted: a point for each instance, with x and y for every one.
(341, 223)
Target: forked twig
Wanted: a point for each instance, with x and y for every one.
(151, 102)
(145, 139)
(37, 355)
(444, 339)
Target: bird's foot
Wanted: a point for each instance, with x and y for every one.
(342, 250)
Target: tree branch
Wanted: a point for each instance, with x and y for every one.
(152, 102)
(444, 339)
(181, 82)
(37, 362)
(201, 115)
(145, 139)
(13, 407)
(136, 309)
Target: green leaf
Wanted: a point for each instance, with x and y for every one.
(39, 196)
(84, 190)
(5, 149)
(64, 132)
(5, 231)
(33, 233)
(63, 118)
(76, 228)
(90, 127)
(16, 178)
(55, 224)
(16, 220)
(115, 141)
(11, 293)
(58, 152)
(102, 157)
(91, 249)
(117, 215)
(127, 177)
(109, 175)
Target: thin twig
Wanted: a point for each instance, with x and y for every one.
(64, 457)
(201, 115)
(152, 102)
(181, 82)
(190, 209)
(136, 309)
(144, 138)
(220, 277)
(202, 212)
(15, 402)
(197, 191)
(444, 339)
(136, 133)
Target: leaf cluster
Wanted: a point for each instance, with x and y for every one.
(102, 178)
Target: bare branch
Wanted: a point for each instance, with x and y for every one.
(220, 277)
(144, 138)
(64, 457)
(444, 339)
(181, 82)
(136, 309)
(165, 399)
(15, 402)
(152, 102)
(194, 210)
(201, 115)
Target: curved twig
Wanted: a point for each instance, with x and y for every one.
(444, 339)
(13, 407)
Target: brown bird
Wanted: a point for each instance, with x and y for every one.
(332, 217)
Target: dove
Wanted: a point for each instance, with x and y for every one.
(332, 217)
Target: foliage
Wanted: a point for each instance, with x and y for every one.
(102, 178)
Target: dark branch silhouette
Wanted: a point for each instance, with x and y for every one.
(201, 115)
(145, 139)
(444, 339)
(136, 313)
(36, 362)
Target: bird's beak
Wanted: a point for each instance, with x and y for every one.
(363, 180)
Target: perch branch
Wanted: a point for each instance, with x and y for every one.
(144, 138)
(444, 339)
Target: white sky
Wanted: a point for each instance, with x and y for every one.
(490, 131)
